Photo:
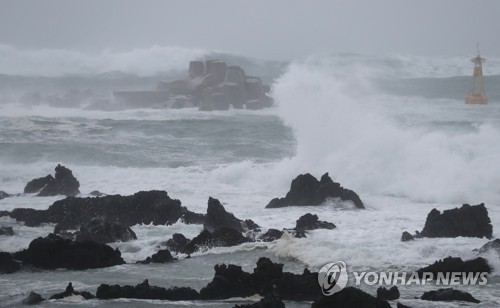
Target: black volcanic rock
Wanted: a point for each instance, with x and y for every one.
(177, 242)
(36, 185)
(450, 264)
(7, 264)
(217, 217)
(6, 231)
(311, 222)
(448, 295)
(64, 183)
(144, 207)
(3, 195)
(470, 221)
(224, 237)
(162, 256)
(388, 294)
(54, 252)
(406, 236)
(100, 231)
(229, 281)
(350, 297)
(145, 291)
(307, 190)
(33, 299)
(70, 292)
(191, 218)
(271, 235)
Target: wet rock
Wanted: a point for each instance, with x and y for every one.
(266, 302)
(448, 295)
(54, 252)
(191, 218)
(224, 237)
(217, 217)
(311, 222)
(71, 292)
(349, 297)
(307, 190)
(7, 264)
(271, 235)
(144, 207)
(6, 231)
(100, 231)
(399, 305)
(450, 264)
(407, 237)
(162, 256)
(470, 221)
(388, 294)
(4, 195)
(229, 281)
(64, 183)
(96, 193)
(36, 185)
(145, 291)
(33, 299)
(491, 246)
(177, 242)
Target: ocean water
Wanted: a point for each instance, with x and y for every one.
(393, 128)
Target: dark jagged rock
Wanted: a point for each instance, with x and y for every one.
(271, 235)
(229, 281)
(33, 299)
(388, 294)
(101, 231)
(450, 264)
(407, 237)
(96, 193)
(470, 221)
(349, 297)
(70, 292)
(145, 291)
(448, 295)
(177, 242)
(143, 207)
(217, 217)
(36, 185)
(162, 256)
(224, 237)
(307, 190)
(54, 252)
(399, 305)
(268, 278)
(491, 246)
(7, 264)
(191, 218)
(3, 195)
(6, 231)
(311, 222)
(64, 183)
(250, 225)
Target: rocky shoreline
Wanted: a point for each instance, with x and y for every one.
(83, 227)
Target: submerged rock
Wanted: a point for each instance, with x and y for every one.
(100, 231)
(71, 292)
(36, 185)
(266, 302)
(54, 252)
(3, 195)
(271, 235)
(33, 299)
(406, 237)
(491, 246)
(470, 221)
(6, 231)
(224, 237)
(449, 295)
(307, 190)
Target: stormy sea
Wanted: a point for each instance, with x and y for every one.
(394, 129)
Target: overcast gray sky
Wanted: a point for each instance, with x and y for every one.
(269, 29)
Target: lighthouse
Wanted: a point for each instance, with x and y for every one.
(477, 94)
